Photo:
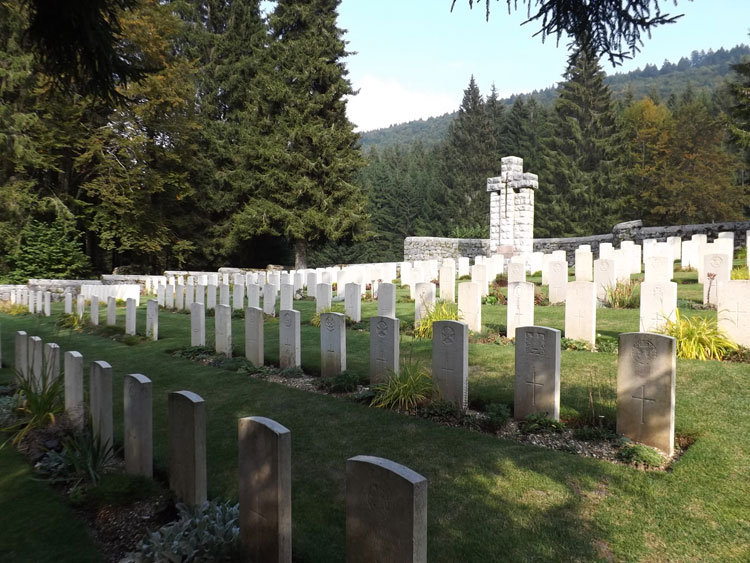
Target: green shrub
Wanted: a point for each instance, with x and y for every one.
(623, 295)
(440, 311)
(498, 415)
(336, 308)
(740, 273)
(442, 411)
(405, 390)
(698, 338)
(85, 457)
(540, 424)
(36, 406)
(195, 353)
(207, 533)
(293, 372)
(13, 309)
(640, 455)
(70, 321)
(606, 344)
(344, 382)
(540, 299)
(575, 345)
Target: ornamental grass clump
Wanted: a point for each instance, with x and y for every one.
(440, 311)
(623, 295)
(405, 390)
(38, 403)
(698, 338)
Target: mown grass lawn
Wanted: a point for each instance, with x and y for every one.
(489, 499)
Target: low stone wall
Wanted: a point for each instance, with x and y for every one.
(431, 248)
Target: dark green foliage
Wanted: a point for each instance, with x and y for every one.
(640, 455)
(122, 489)
(344, 382)
(497, 415)
(540, 424)
(48, 250)
(594, 433)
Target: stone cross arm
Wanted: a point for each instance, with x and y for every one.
(514, 180)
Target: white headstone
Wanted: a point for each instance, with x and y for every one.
(387, 300)
(604, 277)
(658, 268)
(238, 296)
(290, 352)
(537, 374)
(323, 297)
(197, 324)
(353, 302)
(558, 281)
(254, 336)
(332, 344)
(152, 319)
(470, 305)
(384, 347)
(733, 307)
(424, 300)
(717, 268)
(286, 300)
(479, 276)
(580, 311)
(450, 361)
(520, 311)
(223, 329)
(269, 299)
(583, 266)
(130, 316)
(658, 304)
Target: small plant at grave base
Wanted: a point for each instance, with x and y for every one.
(86, 457)
(741, 356)
(489, 300)
(640, 455)
(262, 372)
(208, 533)
(698, 338)
(406, 390)
(465, 277)
(13, 309)
(344, 382)
(439, 311)
(294, 372)
(540, 299)
(575, 345)
(623, 295)
(740, 273)
(541, 424)
(238, 314)
(442, 411)
(315, 320)
(594, 434)
(195, 353)
(498, 414)
(70, 322)
(711, 277)
(606, 344)
(37, 406)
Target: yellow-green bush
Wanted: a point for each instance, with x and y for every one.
(698, 338)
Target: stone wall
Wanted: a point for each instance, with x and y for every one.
(428, 248)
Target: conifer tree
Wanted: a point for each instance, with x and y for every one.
(313, 155)
(583, 166)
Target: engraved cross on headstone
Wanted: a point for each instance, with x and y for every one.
(534, 385)
(643, 400)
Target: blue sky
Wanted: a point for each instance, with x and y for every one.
(414, 58)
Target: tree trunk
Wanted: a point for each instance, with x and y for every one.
(300, 254)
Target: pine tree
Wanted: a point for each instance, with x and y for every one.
(583, 168)
(469, 158)
(739, 117)
(313, 156)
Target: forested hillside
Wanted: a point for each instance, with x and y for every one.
(703, 71)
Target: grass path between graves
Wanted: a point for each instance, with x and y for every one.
(489, 499)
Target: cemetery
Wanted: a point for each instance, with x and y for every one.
(549, 419)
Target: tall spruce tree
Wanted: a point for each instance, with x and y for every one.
(581, 188)
(469, 158)
(313, 154)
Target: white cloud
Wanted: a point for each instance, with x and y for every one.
(384, 102)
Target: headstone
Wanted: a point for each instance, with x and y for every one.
(583, 265)
(254, 336)
(424, 300)
(152, 319)
(265, 490)
(253, 295)
(161, 297)
(94, 310)
(100, 397)
(622, 264)
(287, 296)
(470, 305)
(224, 294)
(384, 347)
(689, 255)
(68, 304)
(138, 434)
(558, 281)
(646, 389)
(21, 343)
(332, 344)
(387, 300)
(450, 361)
(48, 305)
(537, 377)
(269, 299)
(733, 307)
(658, 269)
(388, 497)
(130, 316)
(606, 251)
(169, 297)
(604, 277)
(74, 406)
(676, 244)
(197, 324)
(290, 352)
(238, 296)
(658, 305)
(353, 302)
(179, 297)
(111, 311)
(717, 268)
(80, 306)
(312, 284)
(189, 296)
(223, 330)
(200, 294)
(479, 276)
(463, 266)
(580, 311)
(520, 310)
(36, 361)
(516, 273)
(448, 283)
(210, 296)
(186, 413)
(51, 363)
(323, 297)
